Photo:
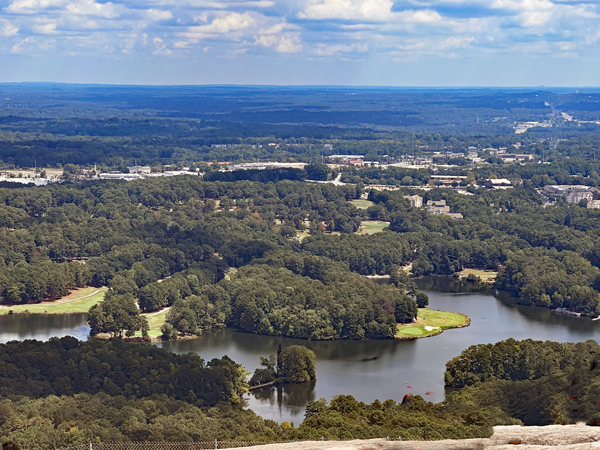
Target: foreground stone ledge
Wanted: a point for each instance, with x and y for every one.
(552, 437)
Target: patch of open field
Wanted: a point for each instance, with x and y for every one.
(155, 321)
(78, 301)
(362, 203)
(483, 274)
(431, 322)
(371, 226)
(301, 234)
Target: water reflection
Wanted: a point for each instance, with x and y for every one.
(509, 304)
(288, 400)
(42, 327)
(368, 370)
(451, 286)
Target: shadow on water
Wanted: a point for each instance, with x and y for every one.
(42, 326)
(368, 370)
(288, 399)
(451, 286)
(548, 317)
(509, 303)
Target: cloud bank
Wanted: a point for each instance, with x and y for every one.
(301, 31)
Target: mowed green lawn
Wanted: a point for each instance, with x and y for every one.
(78, 301)
(371, 226)
(483, 274)
(362, 203)
(301, 234)
(155, 321)
(435, 321)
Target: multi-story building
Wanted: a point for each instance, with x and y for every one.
(416, 201)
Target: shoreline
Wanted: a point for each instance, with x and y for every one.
(68, 304)
(40, 313)
(188, 337)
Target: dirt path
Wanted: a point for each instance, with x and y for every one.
(58, 302)
(75, 299)
(159, 311)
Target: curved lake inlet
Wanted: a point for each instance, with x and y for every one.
(368, 370)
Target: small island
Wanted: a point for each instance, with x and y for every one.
(431, 322)
(294, 364)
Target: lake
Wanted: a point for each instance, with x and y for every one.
(368, 370)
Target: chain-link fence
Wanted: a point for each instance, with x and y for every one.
(202, 445)
(212, 445)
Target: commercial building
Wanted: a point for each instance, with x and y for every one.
(593, 204)
(140, 169)
(439, 207)
(447, 179)
(576, 195)
(416, 201)
(509, 157)
(571, 193)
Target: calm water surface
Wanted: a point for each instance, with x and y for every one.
(368, 370)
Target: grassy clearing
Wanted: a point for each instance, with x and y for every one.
(362, 203)
(155, 321)
(230, 272)
(78, 301)
(301, 234)
(430, 322)
(483, 274)
(371, 226)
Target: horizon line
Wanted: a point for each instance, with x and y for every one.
(338, 86)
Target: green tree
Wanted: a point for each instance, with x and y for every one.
(296, 364)
(422, 300)
(317, 172)
(115, 315)
(266, 373)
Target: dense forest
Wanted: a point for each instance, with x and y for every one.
(67, 366)
(536, 382)
(581, 169)
(65, 392)
(266, 300)
(169, 239)
(51, 125)
(268, 252)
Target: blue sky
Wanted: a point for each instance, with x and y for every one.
(357, 42)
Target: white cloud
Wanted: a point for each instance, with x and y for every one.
(280, 38)
(8, 30)
(228, 26)
(378, 10)
(33, 6)
(230, 22)
(531, 13)
(161, 48)
(158, 14)
(18, 47)
(181, 44)
(329, 50)
(47, 28)
(289, 43)
(76, 7)
(423, 16)
(455, 42)
(327, 29)
(48, 44)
